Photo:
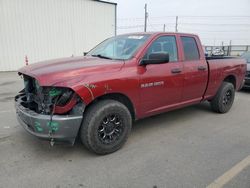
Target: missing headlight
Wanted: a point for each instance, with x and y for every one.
(59, 100)
(64, 98)
(46, 99)
(49, 97)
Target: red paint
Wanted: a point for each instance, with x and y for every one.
(103, 76)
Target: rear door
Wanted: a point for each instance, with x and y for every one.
(195, 70)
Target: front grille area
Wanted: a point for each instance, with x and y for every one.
(32, 93)
(38, 98)
(46, 100)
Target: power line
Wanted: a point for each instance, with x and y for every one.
(140, 25)
(181, 27)
(161, 17)
(130, 27)
(207, 24)
(214, 16)
(214, 30)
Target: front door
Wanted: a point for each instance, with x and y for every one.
(161, 84)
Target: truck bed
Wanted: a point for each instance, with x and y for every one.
(219, 68)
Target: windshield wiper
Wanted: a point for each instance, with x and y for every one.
(101, 56)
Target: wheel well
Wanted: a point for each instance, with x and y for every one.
(120, 98)
(231, 79)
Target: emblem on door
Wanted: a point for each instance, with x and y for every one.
(152, 84)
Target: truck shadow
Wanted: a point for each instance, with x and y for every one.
(244, 90)
(169, 118)
(142, 127)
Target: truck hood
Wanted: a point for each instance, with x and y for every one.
(68, 71)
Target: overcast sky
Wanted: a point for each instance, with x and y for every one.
(216, 21)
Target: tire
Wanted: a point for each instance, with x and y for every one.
(106, 126)
(224, 98)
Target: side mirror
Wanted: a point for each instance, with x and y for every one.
(85, 53)
(156, 58)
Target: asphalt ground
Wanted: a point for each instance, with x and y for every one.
(191, 148)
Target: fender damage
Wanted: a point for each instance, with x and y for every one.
(53, 101)
(51, 113)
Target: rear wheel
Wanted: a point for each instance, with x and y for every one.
(223, 100)
(106, 126)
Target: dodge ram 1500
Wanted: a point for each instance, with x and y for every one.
(124, 78)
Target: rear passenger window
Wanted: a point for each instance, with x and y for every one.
(190, 48)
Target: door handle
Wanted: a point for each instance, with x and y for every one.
(176, 70)
(201, 68)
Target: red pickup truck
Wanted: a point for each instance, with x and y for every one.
(124, 78)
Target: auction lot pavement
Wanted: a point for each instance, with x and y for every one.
(190, 147)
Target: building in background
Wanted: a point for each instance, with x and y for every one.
(47, 29)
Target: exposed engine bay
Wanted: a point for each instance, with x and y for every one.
(51, 113)
(50, 100)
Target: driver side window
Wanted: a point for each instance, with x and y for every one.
(164, 44)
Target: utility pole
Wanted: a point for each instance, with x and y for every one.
(146, 18)
(164, 27)
(176, 24)
(230, 48)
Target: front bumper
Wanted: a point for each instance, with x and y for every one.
(59, 128)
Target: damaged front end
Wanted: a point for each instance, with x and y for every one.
(52, 113)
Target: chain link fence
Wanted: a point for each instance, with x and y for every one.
(234, 50)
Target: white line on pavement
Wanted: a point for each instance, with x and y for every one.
(230, 174)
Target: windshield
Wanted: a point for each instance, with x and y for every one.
(246, 55)
(121, 47)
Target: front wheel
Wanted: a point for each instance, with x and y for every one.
(224, 98)
(106, 126)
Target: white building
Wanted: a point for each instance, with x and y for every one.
(47, 29)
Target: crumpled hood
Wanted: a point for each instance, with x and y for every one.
(68, 71)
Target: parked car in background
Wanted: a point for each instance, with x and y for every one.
(246, 56)
(217, 52)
